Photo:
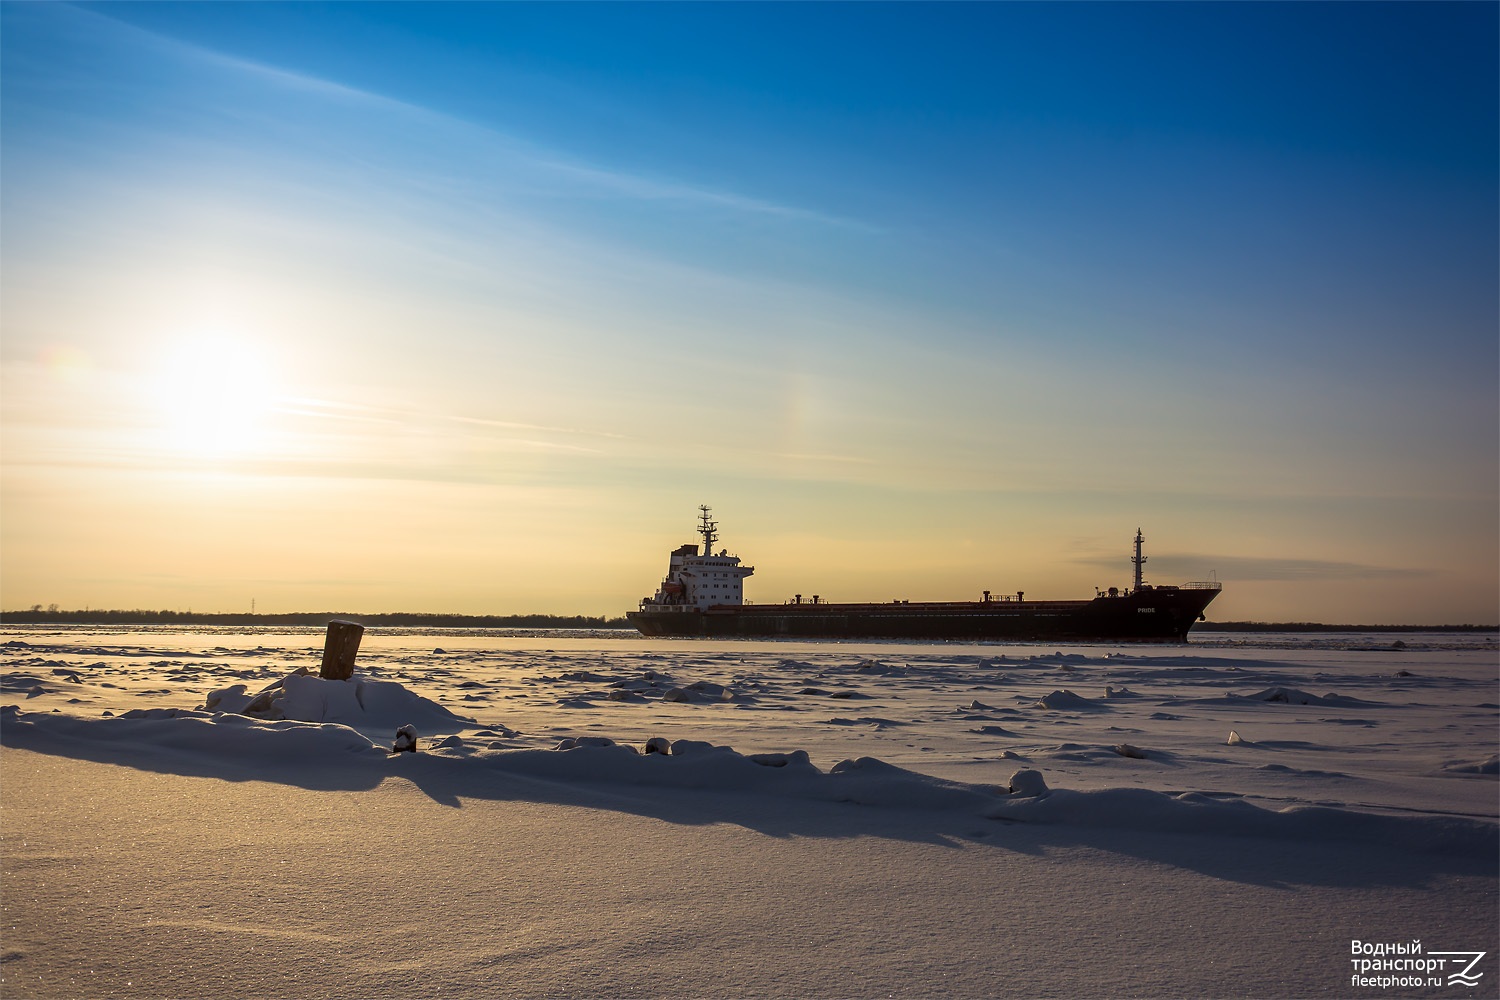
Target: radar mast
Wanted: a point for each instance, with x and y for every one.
(1138, 559)
(709, 530)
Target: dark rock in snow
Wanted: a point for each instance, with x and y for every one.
(406, 740)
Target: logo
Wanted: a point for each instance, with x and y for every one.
(1465, 976)
(1404, 964)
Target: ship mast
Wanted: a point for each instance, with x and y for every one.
(1138, 559)
(709, 530)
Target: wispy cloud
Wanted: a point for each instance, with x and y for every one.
(333, 410)
(649, 189)
(1267, 568)
(524, 155)
(835, 459)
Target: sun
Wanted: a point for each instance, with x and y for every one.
(214, 396)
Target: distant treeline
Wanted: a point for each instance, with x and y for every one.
(410, 619)
(400, 619)
(1320, 627)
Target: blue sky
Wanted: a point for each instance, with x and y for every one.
(923, 298)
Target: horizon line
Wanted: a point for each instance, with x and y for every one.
(79, 616)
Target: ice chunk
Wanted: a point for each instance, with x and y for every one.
(1065, 700)
(1027, 784)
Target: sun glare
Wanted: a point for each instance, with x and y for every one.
(215, 397)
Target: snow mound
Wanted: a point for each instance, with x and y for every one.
(1490, 765)
(841, 693)
(360, 702)
(1217, 816)
(1066, 701)
(704, 692)
(993, 731)
(695, 764)
(877, 667)
(867, 668)
(1301, 772)
(231, 746)
(1292, 696)
(874, 722)
(217, 743)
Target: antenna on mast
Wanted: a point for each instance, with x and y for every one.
(709, 530)
(1138, 559)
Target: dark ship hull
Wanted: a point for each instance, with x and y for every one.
(1150, 614)
(702, 596)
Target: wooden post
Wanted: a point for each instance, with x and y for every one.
(340, 647)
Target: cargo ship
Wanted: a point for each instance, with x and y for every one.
(702, 595)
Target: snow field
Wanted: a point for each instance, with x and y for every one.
(601, 816)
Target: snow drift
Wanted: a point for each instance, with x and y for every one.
(590, 762)
(360, 702)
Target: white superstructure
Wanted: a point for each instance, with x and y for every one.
(695, 582)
